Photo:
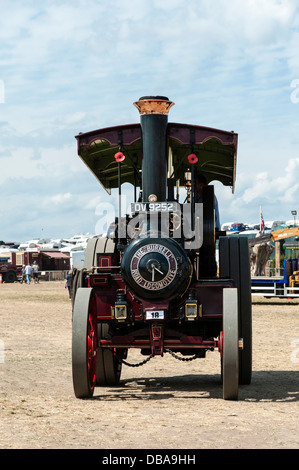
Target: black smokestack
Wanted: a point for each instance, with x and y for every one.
(153, 119)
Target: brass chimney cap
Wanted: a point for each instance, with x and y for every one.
(153, 105)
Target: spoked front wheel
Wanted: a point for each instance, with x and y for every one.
(84, 343)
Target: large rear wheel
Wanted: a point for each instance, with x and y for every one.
(109, 363)
(84, 343)
(234, 263)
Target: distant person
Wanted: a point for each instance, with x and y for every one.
(23, 274)
(35, 269)
(28, 272)
(68, 282)
(201, 182)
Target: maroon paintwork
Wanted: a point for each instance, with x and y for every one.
(152, 335)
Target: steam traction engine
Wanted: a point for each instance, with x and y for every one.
(153, 283)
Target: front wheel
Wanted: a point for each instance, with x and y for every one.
(230, 345)
(10, 276)
(84, 343)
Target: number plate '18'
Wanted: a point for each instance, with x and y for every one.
(154, 315)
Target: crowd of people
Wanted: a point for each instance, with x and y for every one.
(30, 273)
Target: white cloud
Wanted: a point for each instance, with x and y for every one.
(28, 163)
(19, 164)
(77, 67)
(278, 195)
(58, 199)
(280, 189)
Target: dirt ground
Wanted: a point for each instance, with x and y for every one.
(165, 404)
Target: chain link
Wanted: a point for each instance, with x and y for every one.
(186, 359)
(138, 364)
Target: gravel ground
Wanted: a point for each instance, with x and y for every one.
(165, 404)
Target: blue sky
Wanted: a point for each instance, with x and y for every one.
(69, 67)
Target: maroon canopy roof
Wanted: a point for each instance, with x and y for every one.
(216, 151)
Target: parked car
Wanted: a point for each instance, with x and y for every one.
(237, 227)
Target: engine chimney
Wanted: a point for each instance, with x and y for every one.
(153, 119)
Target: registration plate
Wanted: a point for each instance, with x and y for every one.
(154, 207)
(154, 315)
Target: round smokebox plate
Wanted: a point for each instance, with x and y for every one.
(156, 268)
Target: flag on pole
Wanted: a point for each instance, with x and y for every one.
(262, 223)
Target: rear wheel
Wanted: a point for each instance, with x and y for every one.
(84, 343)
(109, 364)
(234, 263)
